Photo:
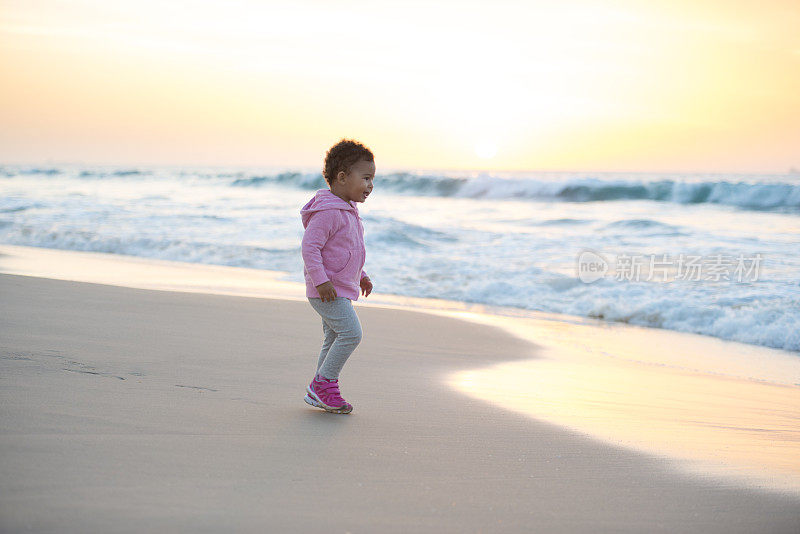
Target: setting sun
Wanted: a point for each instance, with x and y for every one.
(485, 149)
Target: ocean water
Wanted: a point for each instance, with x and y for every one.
(713, 254)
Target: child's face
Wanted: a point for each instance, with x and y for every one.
(356, 184)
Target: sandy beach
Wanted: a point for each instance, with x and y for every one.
(133, 410)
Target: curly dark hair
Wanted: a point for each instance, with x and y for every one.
(342, 156)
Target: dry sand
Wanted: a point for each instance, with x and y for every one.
(131, 410)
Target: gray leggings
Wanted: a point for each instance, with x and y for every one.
(342, 331)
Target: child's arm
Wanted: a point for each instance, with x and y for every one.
(321, 227)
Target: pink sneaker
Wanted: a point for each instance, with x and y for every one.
(324, 393)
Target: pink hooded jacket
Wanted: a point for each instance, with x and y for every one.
(333, 245)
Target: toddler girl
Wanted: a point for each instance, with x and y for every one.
(333, 254)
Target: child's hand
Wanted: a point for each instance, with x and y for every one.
(326, 291)
(366, 286)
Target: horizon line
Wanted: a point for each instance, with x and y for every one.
(792, 170)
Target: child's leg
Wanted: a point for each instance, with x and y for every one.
(330, 337)
(340, 317)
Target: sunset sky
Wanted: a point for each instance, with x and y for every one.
(676, 85)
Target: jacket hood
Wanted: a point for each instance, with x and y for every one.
(325, 200)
